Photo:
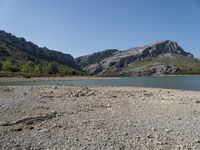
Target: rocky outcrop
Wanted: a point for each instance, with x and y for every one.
(121, 59)
(152, 70)
(18, 49)
(94, 58)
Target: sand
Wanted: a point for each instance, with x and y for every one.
(73, 117)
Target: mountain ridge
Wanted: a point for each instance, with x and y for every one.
(118, 61)
(16, 51)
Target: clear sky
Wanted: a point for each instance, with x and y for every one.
(81, 27)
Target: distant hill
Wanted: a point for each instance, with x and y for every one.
(163, 57)
(18, 56)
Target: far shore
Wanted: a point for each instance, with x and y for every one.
(38, 79)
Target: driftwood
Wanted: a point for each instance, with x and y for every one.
(32, 119)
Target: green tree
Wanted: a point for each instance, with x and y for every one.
(38, 69)
(52, 68)
(28, 67)
(1, 66)
(8, 66)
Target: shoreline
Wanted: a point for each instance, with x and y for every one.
(37, 79)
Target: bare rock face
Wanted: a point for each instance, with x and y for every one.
(120, 59)
(95, 57)
(153, 70)
(91, 63)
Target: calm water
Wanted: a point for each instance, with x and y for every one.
(169, 82)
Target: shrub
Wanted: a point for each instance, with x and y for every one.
(1, 66)
(52, 68)
(8, 66)
(28, 67)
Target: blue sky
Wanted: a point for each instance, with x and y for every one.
(81, 27)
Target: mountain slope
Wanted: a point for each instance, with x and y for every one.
(124, 62)
(94, 60)
(19, 51)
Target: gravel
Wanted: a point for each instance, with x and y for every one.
(72, 117)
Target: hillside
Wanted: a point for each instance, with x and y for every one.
(18, 56)
(164, 57)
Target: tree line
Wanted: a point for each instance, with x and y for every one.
(29, 68)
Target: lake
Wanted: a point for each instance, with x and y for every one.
(168, 82)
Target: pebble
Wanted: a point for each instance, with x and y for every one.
(44, 130)
(149, 136)
(197, 101)
(108, 105)
(168, 130)
(197, 140)
(125, 133)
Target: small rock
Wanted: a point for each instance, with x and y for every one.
(55, 87)
(197, 101)
(179, 118)
(158, 143)
(108, 105)
(197, 140)
(149, 136)
(168, 130)
(179, 147)
(114, 96)
(31, 128)
(44, 130)
(154, 129)
(125, 133)
(18, 129)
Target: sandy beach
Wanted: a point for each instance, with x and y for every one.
(72, 117)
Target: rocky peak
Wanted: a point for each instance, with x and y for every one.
(164, 47)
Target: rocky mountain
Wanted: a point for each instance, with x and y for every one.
(162, 56)
(17, 52)
(18, 49)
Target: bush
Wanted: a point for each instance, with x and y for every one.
(1, 66)
(8, 66)
(28, 67)
(52, 68)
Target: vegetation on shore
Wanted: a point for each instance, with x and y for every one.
(31, 69)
